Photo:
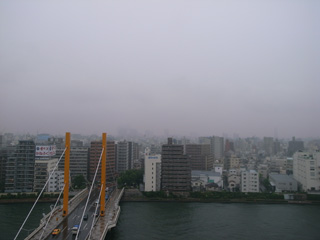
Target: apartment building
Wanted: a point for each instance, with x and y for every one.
(249, 181)
(152, 172)
(175, 168)
(306, 170)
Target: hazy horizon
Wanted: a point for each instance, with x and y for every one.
(162, 68)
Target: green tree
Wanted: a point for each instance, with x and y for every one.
(267, 185)
(130, 178)
(78, 182)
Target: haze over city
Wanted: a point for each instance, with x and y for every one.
(160, 67)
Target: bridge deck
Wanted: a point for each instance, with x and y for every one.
(101, 226)
(104, 224)
(56, 217)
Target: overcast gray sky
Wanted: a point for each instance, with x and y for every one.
(177, 67)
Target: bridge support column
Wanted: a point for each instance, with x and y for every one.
(103, 174)
(66, 175)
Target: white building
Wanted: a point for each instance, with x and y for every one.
(152, 172)
(42, 168)
(249, 181)
(306, 168)
(56, 182)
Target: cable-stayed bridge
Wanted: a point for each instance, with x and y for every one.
(88, 215)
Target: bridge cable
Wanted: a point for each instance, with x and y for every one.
(39, 195)
(85, 208)
(52, 211)
(95, 212)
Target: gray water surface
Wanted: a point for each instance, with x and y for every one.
(217, 221)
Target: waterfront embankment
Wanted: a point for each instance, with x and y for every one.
(134, 195)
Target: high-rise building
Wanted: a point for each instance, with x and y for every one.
(249, 181)
(127, 154)
(94, 156)
(20, 168)
(152, 172)
(306, 170)
(216, 146)
(295, 146)
(200, 157)
(175, 168)
(78, 161)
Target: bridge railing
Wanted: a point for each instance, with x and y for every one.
(57, 209)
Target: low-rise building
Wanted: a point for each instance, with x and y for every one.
(263, 170)
(283, 182)
(201, 180)
(234, 180)
(56, 182)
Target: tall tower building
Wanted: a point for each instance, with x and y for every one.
(175, 168)
(94, 156)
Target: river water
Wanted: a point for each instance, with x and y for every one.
(217, 221)
(12, 216)
(161, 220)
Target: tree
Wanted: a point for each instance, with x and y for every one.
(78, 182)
(131, 178)
(267, 185)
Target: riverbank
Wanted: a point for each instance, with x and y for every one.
(134, 195)
(27, 200)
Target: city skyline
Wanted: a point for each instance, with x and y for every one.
(165, 68)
